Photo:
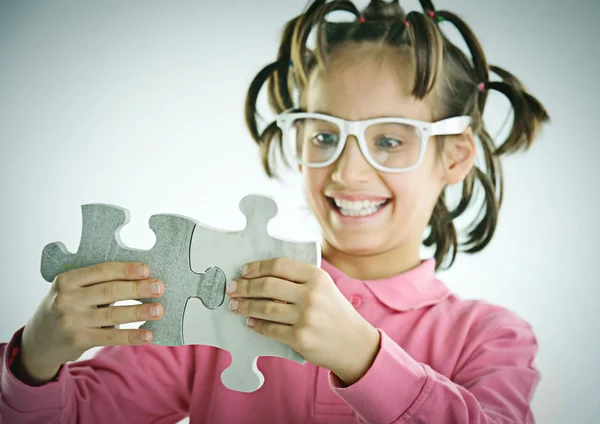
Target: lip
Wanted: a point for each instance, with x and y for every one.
(356, 220)
(356, 196)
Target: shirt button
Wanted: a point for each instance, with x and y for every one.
(356, 301)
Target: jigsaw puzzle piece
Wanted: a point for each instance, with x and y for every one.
(169, 261)
(230, 250)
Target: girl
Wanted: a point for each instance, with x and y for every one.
(379, 118)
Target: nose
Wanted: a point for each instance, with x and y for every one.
(351, 167)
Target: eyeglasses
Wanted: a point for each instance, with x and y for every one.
(317, 140)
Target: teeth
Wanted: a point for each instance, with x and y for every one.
(358, 208)
(362, 212)
(357, 205)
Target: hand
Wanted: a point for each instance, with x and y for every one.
(73, 317)
(299, 305)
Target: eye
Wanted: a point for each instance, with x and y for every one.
(325, 140)
(388, 143)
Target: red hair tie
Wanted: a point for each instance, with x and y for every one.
(481, 87)
(361, 20)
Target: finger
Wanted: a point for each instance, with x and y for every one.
(117, 337)
(285, 268)
(114, 291)
(105, 271)
(284, 313)
(116, 315)
(281, 332)
(265, 288)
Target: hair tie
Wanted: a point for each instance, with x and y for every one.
(361, 20)
(433, 16)
(406, 23)
(481, 87)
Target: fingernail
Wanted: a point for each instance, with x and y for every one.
(234, 304)
(232, 286)
(155, 288)
(142, 271)
(250, 321)
(145, 337)
(245, 269)
(154, 311)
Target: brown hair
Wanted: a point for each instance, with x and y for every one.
(439, 65)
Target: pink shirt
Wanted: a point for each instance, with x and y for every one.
(441, 360)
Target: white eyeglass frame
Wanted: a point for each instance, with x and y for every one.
(450, 126)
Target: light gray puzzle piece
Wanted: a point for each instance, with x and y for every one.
(169, 261)
(230, 250)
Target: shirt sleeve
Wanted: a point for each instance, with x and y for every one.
(120, 384)
(495, 384)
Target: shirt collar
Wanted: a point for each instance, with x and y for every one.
(413, 289)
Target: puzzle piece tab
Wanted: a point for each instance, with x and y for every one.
(169, 261)
(229, 251)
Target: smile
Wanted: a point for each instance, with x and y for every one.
(357, 208)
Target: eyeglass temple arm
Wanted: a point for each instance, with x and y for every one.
(450, 126)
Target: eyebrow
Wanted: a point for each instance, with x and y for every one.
(372, 117)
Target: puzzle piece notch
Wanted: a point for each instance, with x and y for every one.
(169, 261)
(229, 250)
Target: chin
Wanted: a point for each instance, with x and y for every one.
(357, 244)
(354, 250)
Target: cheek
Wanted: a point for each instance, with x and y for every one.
(426, 181)
(405, 188)
(413, 192)
(314, 181)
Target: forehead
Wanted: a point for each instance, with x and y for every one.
(363, 82)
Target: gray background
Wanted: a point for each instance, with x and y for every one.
(140, 104)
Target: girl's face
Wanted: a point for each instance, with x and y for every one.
(361, 89)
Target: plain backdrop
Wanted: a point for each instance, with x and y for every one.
(140, 104)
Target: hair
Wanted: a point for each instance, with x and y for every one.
(461, 85)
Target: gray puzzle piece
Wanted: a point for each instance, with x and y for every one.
(229, 250)
(169, 261)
